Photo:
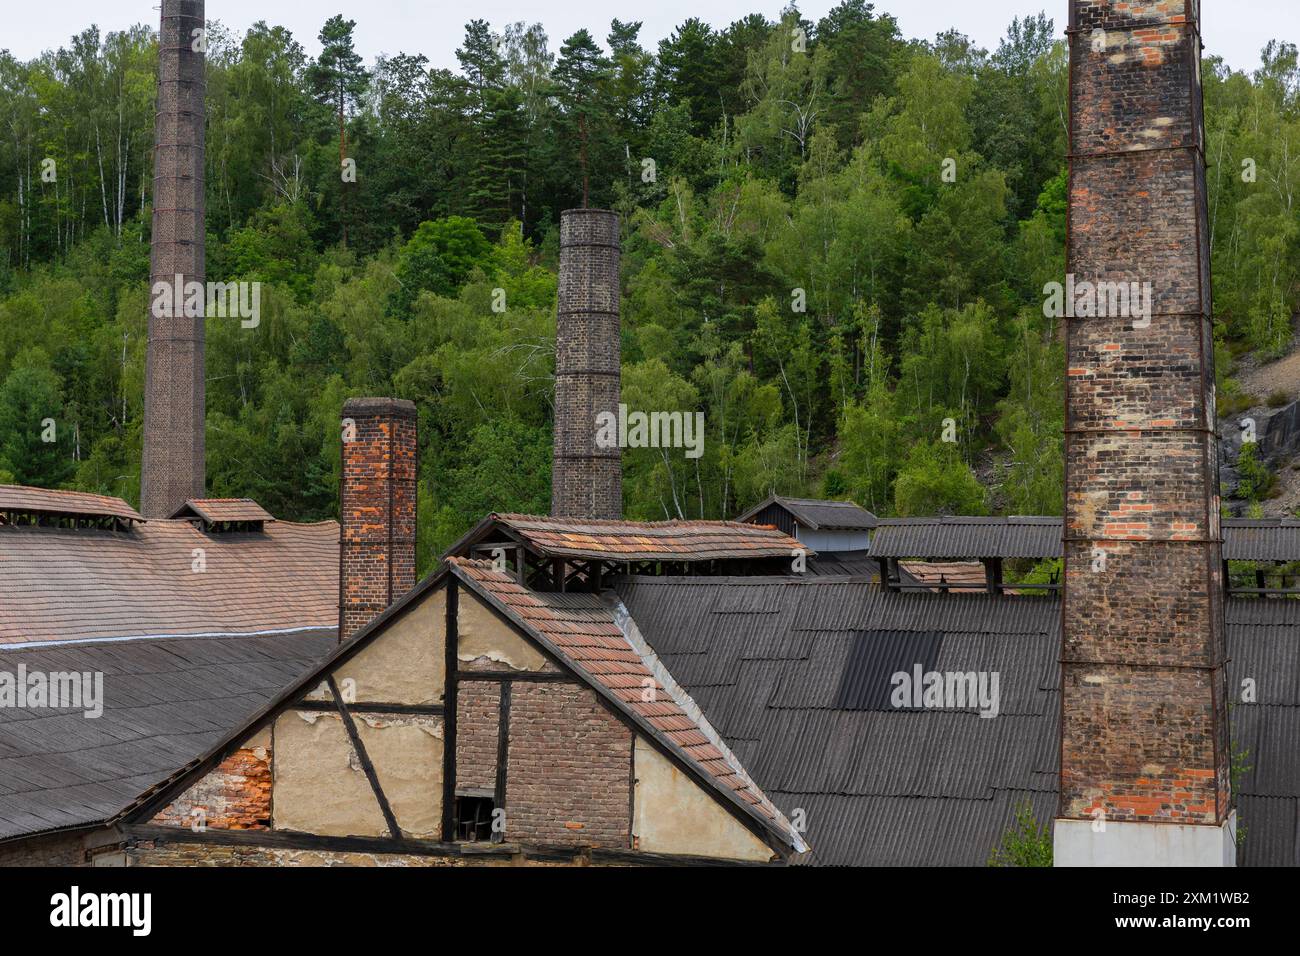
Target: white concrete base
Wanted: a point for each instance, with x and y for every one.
(1076, 843)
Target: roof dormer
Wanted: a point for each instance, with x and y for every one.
(218, 515)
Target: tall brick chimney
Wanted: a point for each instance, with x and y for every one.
(1144, 728)
(586, 480)
(377, 501)
(172, 470)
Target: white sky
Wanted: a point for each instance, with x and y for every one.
(1234, 29)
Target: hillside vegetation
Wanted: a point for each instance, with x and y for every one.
(836, 242)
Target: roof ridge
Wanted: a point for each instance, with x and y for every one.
(659, 671)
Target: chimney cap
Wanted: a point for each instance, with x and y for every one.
(399, 407)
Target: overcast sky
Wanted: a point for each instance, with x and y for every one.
(1234, 29)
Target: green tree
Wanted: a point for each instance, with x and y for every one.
(34, 439)
(1025, 843)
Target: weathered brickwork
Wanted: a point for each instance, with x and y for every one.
(568, 770)
(173, 454)
(150, 853)
(60, 849)
(168, 853)
(235, 795)
(586, 480)
(377, 508)
(1144, 723)
(478, 709)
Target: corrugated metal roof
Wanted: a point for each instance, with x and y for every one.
(1270, 539)
(932, 787)
(165, 702)
(855, 563)
(1275, 539)
(962, 537)
(819, 514)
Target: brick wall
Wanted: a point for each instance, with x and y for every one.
(234, 795)
(61, 849)
(478, 706)
(377, 508)
(567, 780)
(172, 469)
(586, 480)
(1144, 728)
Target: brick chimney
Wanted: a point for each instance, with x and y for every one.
(586, 480)
(377, 500)
(1144, 727)
(172, 469)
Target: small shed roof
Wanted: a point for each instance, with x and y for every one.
(687, 541)
(213, 510)
(819, 514)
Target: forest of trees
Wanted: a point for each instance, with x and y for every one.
(836, 239)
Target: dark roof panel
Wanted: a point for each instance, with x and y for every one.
(1269, 539)
(943, 538)
(794, 688)
(165, 702)
(819, 514)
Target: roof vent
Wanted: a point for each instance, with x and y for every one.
(43, 507)
(217, 515)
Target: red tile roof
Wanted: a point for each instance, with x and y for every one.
(225, 509)
(650, 540)
(961, 577)
(49, 501)
(63, 584)
(584, 630)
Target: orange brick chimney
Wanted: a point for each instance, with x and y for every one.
(1144, 723)
(377, 503)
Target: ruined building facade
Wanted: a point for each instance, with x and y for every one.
(1144, 731)
(173, 464)
(587, 480)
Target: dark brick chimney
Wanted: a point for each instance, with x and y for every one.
(586, 480)
(377, 501)
(172, 469)
(1144, 729)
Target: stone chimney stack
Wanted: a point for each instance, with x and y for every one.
(377, 501)
(1144, 725)
(172, 470)
(586, 479)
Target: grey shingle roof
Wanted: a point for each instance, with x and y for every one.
(819, 514)
(1269, 539)
(165, 702)
(940, 538)
(782, 668)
